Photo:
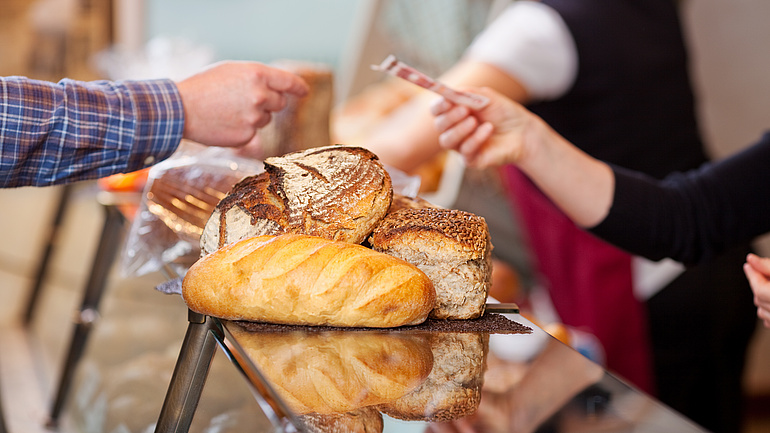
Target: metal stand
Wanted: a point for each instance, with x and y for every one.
(42, 267)
(192, 367)
(108, 247)
(3, 429)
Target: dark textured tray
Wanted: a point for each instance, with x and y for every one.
(491, 323)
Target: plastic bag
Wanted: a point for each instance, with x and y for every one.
(180, 195)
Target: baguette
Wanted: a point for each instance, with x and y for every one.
(306, 280)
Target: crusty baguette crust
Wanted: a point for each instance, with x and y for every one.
(452, 247)
(306, 280)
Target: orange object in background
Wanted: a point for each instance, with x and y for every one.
(124, 190)
(125, 182)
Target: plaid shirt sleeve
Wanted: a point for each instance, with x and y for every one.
(54, 133)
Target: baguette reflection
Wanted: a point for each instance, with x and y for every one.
(344, 381)
(337, 372)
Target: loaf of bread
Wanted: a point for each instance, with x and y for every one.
(335, 192)
(364, 420)
(338, 372)
(453, 388)
(452, 247)
(306, 280)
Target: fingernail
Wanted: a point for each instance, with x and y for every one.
(437, 106)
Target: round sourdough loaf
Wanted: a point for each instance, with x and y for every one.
(335, 192)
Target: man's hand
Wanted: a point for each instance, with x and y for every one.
(228, 102)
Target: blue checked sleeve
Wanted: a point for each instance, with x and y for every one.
(54, 133)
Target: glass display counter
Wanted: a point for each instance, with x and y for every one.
(476, 377)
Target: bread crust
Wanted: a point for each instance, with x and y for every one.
(452, 247)
(401, 201)
(307, 280)
(364, 420)
(335, 192)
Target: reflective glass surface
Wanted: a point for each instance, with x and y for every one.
(428, 380)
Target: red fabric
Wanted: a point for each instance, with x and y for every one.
(590, 282)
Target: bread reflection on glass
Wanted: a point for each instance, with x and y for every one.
(338, 372)
(364, 420)
(453, 388)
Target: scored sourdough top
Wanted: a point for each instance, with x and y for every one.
(335, 192)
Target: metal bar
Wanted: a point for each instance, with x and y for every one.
(272, 405)
(192, 368)
(3, 429)
(109, 243)
(42, 267)
(503, 308)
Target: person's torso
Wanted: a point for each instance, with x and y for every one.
(632, 101)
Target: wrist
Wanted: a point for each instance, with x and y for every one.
(538, 147)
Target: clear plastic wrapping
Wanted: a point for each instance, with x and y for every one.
(180, 195)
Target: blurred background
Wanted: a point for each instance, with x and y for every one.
(133, 348)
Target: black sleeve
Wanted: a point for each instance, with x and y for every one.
(692, 216)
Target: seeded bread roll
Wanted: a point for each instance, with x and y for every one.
(306, 280)
(452, 247)
(335, 192)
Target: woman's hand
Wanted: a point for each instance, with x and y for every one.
(504, 132)
(757, 270)
(501, 133)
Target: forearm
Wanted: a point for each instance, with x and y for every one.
(57, 133)
(406, 139)
(580, 185)
(691, 216)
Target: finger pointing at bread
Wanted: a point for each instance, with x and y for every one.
(225, 104)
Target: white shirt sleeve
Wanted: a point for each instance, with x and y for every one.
(531, 42)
